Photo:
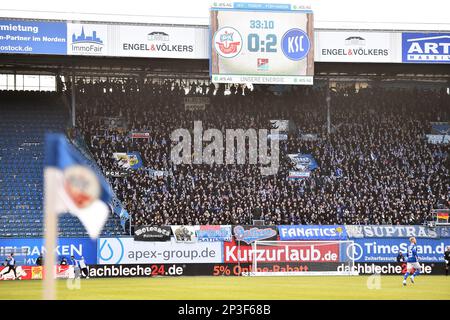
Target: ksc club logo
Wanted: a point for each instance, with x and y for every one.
(295, 44)
(227, 42)
(82, 186)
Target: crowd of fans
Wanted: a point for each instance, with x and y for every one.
(375, 166)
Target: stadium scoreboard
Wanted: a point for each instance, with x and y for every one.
(261, 43)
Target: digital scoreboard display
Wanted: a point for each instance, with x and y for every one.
(261, 43)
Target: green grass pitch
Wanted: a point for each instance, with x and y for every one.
(216, 288)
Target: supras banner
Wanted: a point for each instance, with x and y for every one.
(66, 247)
(354, 46)
(394, 231)
(32, 37)
(128, 251)
(312, 232)
(152, 233)
(386, 250)
(426, 47)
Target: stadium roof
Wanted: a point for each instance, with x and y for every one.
(329, 14)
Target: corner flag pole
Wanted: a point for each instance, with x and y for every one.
(67, 179)
(51, 229)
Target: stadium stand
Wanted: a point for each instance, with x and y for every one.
(388, 173)
(375, 167)
(25, 117)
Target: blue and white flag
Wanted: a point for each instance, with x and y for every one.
(70, 185)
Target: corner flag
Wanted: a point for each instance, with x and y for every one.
(70, 185)
(74, 186)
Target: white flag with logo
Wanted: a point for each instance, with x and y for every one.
(72, 186)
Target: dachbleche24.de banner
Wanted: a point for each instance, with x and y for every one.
(231, 269)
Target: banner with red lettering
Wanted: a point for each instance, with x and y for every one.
(309, 251)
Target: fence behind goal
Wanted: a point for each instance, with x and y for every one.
(291, 258)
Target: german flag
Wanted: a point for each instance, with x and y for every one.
(442, 216)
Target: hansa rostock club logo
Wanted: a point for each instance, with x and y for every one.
(81, 185)
(227, 42)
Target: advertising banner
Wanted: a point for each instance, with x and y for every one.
(152, 233)
(32, 37)
(23, 273)
(388, 268)
(232, 269)
(66, 247)
(262, 43)
(138, 270)
(162, 42)
(303, 252)
(312, 232)
(425, 47)
(128, 251)
(87, 39)
(36, 273)
(354, 46)
(184, 233)
(391, 231)
(387, 249)
(214, 233)
(249, 234)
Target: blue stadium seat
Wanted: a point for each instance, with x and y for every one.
(22, 128)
